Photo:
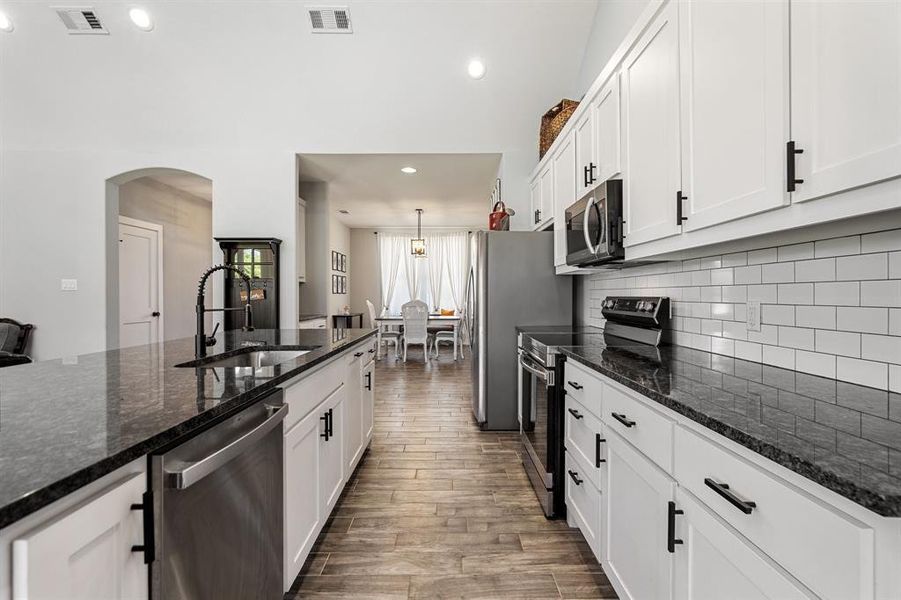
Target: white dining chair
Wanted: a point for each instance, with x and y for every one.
(387, 336)
(416, 321)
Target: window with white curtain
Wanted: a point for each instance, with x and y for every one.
(438, 279)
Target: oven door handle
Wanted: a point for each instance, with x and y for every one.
(195, 471)
(585, 233)
(537, 371)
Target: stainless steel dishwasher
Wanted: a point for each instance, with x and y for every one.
(218, 510)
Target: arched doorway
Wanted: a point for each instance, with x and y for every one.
(159, 241)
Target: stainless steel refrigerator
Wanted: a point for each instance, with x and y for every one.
(512, 283)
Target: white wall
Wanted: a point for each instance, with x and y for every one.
(613, 19)
(232, 91)
(187, 252)
(339, 241)
(365, 276)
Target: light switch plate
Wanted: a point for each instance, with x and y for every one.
(753, 320)
(68, 285)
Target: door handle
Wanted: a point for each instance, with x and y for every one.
(598, 440)
(195, 471)
(575, 413)
(591, 175)
(369, 381)
(358, 354)
(790, 152)
(679, 199)
(745, 506)
(671, 512)
(575, 477)
(148, 547)
(575, 385)
(623, 419)
(155, 313)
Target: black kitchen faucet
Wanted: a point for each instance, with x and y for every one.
(201, 340)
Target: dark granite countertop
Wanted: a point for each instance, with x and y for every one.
(842, 436)
(310, 317)
(66, 424)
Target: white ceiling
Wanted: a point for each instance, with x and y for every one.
(452, 189)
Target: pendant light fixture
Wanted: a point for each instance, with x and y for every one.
(417, 245)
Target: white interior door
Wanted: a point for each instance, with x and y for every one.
(140, 282)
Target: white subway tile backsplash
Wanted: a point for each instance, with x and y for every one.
(822, 269)
(884, 348)
(779, 357)
(880, 293)
(865, 320)
(796, 337)
(722, 277)
(778, 314)
(748, 351)
(758, 257)
(764, 293)
(881, 242)
(818, 317)
(795, 293)
(864, 372)
(815, 363)
(838, 342)
(744, 275)
(837, 246)
(796, 252)
(837, 294)
(738, 259)
(830, 307)
(778, 273)
(861, 266)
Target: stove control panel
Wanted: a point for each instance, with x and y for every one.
(643, 311)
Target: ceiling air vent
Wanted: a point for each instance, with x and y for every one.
(330, 19)
(80, 21)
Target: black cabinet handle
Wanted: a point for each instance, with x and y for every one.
(671, 512)
(598, 440)
(371, 350)
(155, 313)
(745, 506)
(331, 424)
(575, 477)
(591, 172)
(148, 547)
(679, 199)
(584, 176)
(325, 418)
(574, 385)
(790, 180)
(369, 381)
(358, 354)
(575, 413)
(623, 419)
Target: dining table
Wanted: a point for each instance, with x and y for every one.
(435, 320)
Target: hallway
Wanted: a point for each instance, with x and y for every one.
(439, 509)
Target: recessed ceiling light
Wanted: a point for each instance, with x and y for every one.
(476, 68)
(141, 19)
(408, 170)
(5, 24)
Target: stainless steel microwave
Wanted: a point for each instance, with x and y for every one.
(594, 226)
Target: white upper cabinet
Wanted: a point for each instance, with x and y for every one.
(586, 163)
(651, 128)
(845, 94)
(734, 72)
(535, 200)
(564, 193)
(608, 140)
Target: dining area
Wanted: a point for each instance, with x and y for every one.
(418, 326)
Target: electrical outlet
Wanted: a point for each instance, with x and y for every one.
(753, 315)
(68, 285)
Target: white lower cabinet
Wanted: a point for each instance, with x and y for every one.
(583, 501)
(323, 445)
(637, 502)
(713, 561)
(86, 553)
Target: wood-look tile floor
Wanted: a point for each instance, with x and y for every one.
(440, 509)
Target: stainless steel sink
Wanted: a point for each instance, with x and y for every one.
(251, 359)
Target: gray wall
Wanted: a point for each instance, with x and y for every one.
(187, 244)
(612, 21)
(364, 271)
(830, 307)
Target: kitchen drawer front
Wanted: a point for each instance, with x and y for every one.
(827, 551)
(584, 436)
(303, 394)
(648, 430)
(584, 385)
(583, 503)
